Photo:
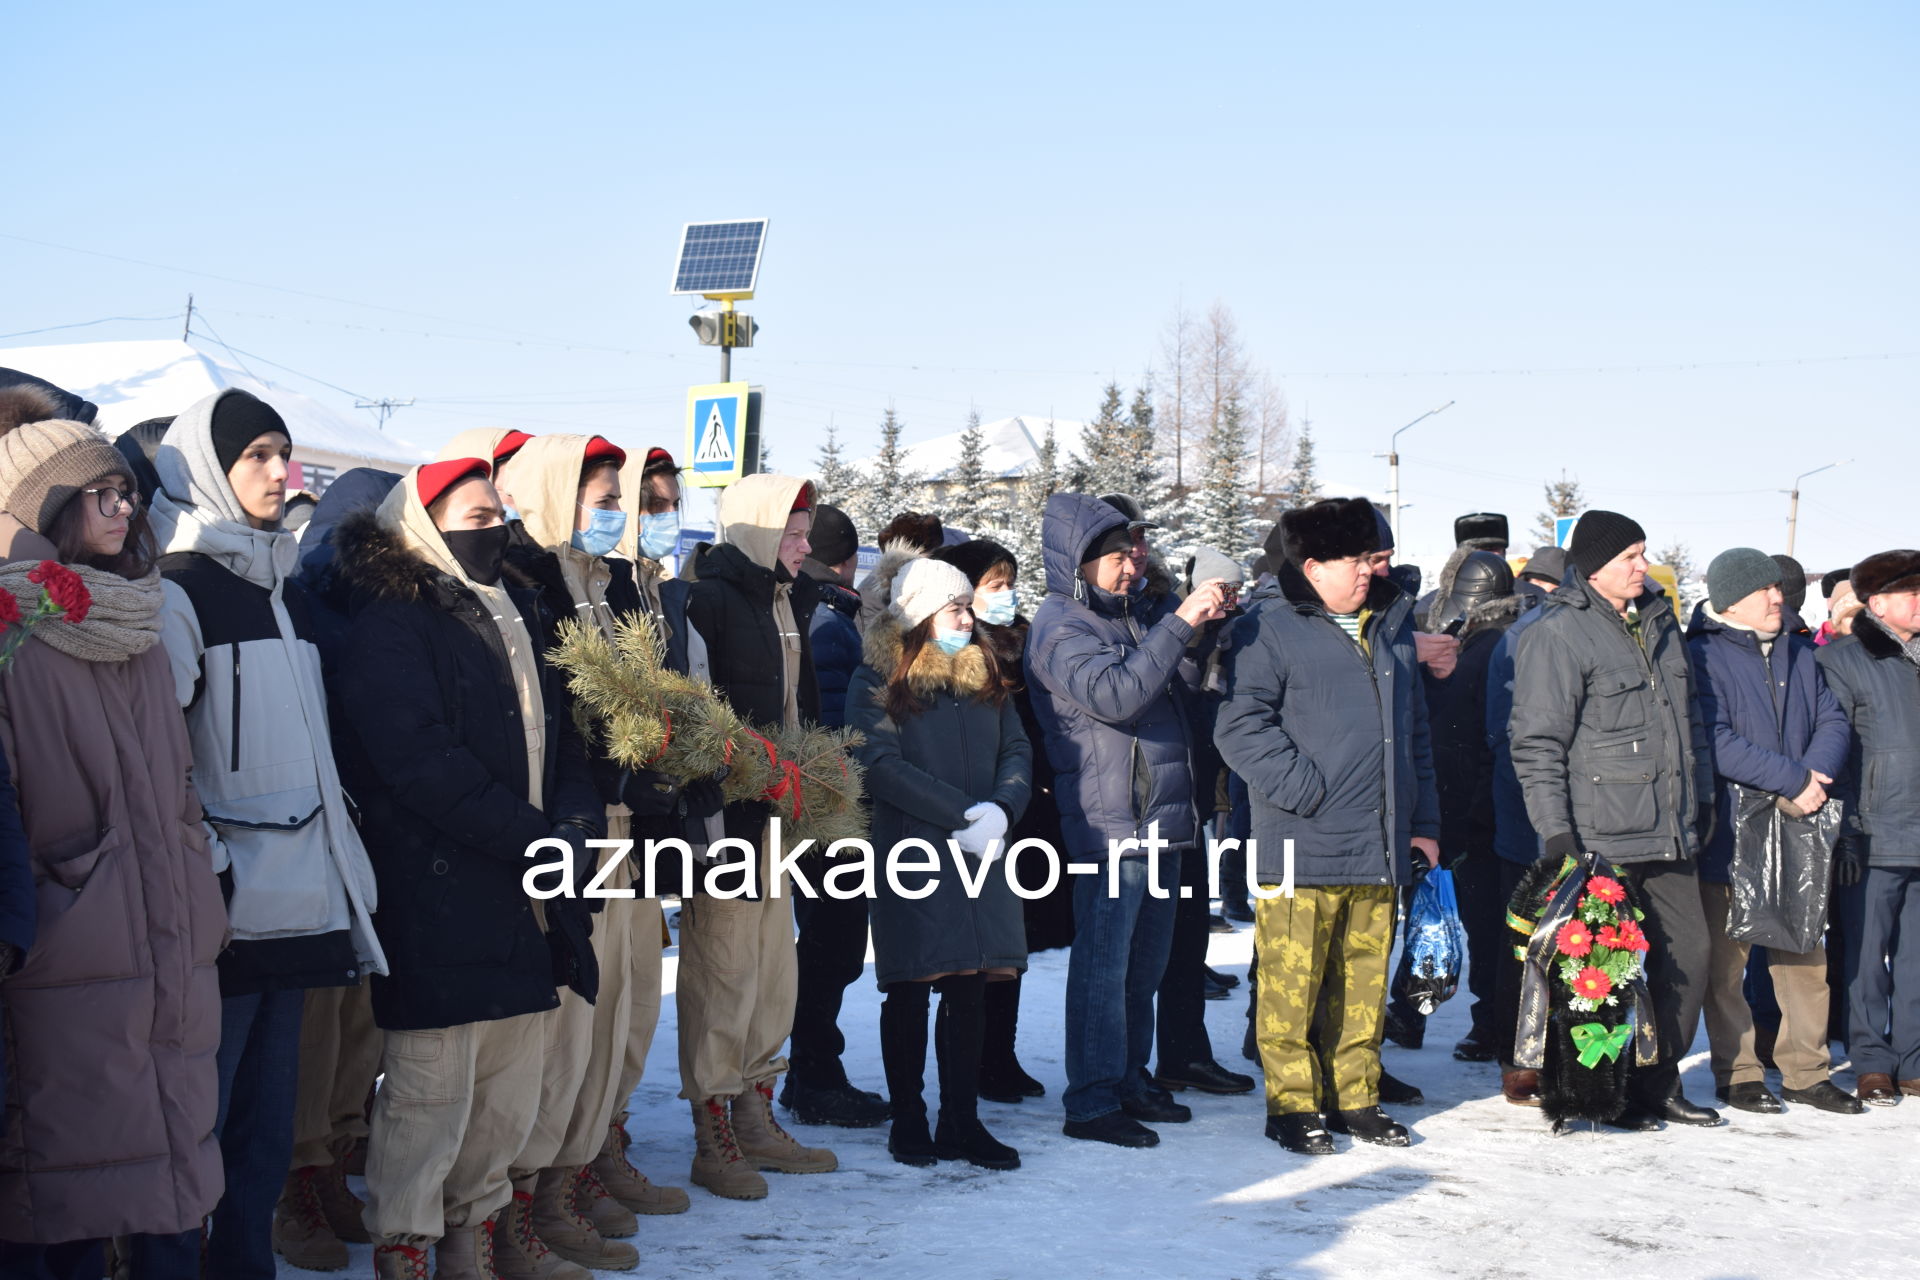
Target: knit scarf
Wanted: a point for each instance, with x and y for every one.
(123, 621)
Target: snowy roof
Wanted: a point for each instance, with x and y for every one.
(1012, 445)
(134, 381)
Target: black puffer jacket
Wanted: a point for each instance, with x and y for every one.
(1879, 689)
(442, 773)
(730, 602)
(1456, 721)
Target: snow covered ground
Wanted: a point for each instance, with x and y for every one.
(1485, 1190)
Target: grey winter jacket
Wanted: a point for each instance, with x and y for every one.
(1103, 688)
(1606, 737)
(1330, 740)
(924, 771)
(1879, 690)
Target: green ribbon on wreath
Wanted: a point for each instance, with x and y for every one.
(1595, 1040)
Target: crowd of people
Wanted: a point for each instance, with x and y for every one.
(272, 770)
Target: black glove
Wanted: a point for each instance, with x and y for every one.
(1703, 822)
(1564, 845)
(704, 795)
(649, 794)
(570, 947)
(1848, 864)
(585, 861)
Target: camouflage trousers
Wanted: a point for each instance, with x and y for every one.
(1323, 952)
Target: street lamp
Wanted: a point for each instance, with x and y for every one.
(1793, 503)
(1393, 471)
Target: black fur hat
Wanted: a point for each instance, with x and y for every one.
(1329, 530)
(1486, 530)
(976, 556)
(1887, 571)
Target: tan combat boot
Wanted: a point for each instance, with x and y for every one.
(300, 1231)
(344, 1210)
(559, 1222)
(466, 1253)
(520, 1254)
(400, 1262)
(597, 1205)
(718, 1164)
(765, 1144)
(627, 1184)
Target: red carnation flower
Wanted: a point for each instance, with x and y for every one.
(64, 588)
(1630, 937)
(1607, 890)
(9, 608)
(1574, 938)
(1592, 984)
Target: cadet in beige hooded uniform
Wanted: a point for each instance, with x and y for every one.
(735, 988)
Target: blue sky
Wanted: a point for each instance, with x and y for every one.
(1541, 212)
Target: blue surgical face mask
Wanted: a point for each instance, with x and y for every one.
(602, 533)
(951, 642)
(509, 514)
(996, 608)
(659, 534)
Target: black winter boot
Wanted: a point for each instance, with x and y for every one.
(1001, 1077)
(903, 1051)
(960, 1135)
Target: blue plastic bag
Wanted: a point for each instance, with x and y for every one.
(1436, 944)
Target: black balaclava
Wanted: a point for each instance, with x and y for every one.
(480, 552)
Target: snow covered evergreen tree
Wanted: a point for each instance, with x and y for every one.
(1220, 512)
(970, 504)
(1022, 531)
(836, 480)
(890, 485)
(1302, 479)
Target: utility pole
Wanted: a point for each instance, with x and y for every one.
(1393, 470)
(187, 328)
(383, 409)
(1793, 502)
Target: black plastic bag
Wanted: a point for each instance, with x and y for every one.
(1782, 872)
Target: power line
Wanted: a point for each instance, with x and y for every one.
(237, 352)
(1774, 362)
(85, 324)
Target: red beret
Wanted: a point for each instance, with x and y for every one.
(602, 449)
(659, 456)
(435, 478)
(509, 445)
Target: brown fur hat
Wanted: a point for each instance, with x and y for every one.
(1885, 572)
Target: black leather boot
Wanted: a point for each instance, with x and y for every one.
(960, 1135)
(903, 1051)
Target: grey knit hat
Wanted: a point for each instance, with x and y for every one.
(44, 464)
(1737, 573)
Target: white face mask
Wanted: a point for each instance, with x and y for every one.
(997, 608)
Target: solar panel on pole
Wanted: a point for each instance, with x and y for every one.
(720, 259)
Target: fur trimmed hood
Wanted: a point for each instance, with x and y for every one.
(963, 674)
(876, 589)
(372, 562)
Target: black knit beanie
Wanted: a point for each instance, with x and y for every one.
(833, 537)
(1793, 581)
(240, 418)
(1599, 536)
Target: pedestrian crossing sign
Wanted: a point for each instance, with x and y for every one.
(716, 433)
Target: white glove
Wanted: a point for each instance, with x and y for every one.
(986, 823)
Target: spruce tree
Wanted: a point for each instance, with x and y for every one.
(970, 505)
(1023, 537)
(1220, 512)
(1563, 499)
(890, 485)
(1303, 483)
(835, 479)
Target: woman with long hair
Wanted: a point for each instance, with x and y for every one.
(114, 1015)
(946, 760)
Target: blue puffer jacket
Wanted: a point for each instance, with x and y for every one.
(1513, 835)
(1102, 682)
(1770, 721)
(1332, 741)
(1879, 692)
(836, 649)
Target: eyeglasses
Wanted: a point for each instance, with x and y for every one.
(110, 500)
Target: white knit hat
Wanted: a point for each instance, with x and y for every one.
(927, 586)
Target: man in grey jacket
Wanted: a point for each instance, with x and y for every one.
(1612, 755)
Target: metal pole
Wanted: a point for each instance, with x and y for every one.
(1793, 519)
(1393, 471)
(726, 363)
